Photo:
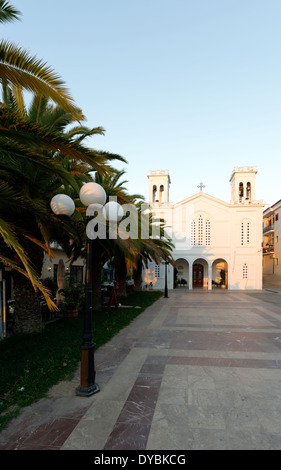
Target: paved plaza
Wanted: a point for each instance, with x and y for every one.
(199, 370)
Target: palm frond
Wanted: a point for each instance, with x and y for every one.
(38, 284)
(83, 132)
(7, 233)
(8, 12)
(18, 67)
(21, 131)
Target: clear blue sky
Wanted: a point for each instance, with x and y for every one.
(191, 86)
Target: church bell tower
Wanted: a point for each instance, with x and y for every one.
(159, 183)
(243, 184)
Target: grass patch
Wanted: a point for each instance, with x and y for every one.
(31, 364)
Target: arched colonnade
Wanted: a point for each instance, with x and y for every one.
(201, 273)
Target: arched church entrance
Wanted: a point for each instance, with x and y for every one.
(220, 273)
(181, 273)
(200, 273)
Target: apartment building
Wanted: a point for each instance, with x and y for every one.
(272, 244)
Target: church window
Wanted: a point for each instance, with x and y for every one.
(208, 232)
(248, 191)
(245, 271)
(241, 191)
(161, 193)
(193, 232)
(200, 230)
(154, 191)
(157, 270)
(248, 232)
(245, 233)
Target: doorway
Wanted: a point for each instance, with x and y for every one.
(197, 275)
(181, 273)
(220, 273)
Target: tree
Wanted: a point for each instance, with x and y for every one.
(18, 67)
(41, 159)
(126, 251)
(151, 248)
(109, 249)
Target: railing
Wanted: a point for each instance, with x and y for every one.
(268, 249)
(268, 228)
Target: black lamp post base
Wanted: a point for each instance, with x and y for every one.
(87, 392)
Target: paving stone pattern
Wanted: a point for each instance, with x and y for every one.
(200, 370)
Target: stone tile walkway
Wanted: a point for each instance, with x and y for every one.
(199, 370)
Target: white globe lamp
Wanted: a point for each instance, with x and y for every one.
(92, 193)
(113, 212)
(61, 204)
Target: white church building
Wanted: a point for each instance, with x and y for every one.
(217, 244)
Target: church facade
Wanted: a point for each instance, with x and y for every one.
(217, 244)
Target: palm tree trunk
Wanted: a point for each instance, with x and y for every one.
(28, 318)
(27, 313)
(121, 274)
(137, 274)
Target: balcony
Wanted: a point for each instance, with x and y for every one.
(268, 228)
(268, 249)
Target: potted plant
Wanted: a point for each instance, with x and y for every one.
(73, 295)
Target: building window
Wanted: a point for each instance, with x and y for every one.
(208, 233)
(245, 233)
(154, 193)
(248, 233)
(157, 270)
(193, 232)
(200, 230)
(76, 273)
(161, 193)
(199, 236)
(245, 271)
(248, 191)
(55, 272)
(241, 191)
(276, 217)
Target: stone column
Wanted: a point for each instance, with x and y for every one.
(209, 276)
(190, 276)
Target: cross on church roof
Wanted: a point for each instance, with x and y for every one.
(201, 186)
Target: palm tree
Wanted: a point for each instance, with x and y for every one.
(122, 251)
(135, 253)
(151, 248)
(107, 250)
(41, 162)
(18, 67)
(36, 157)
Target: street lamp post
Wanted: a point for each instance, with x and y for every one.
(166, 282)
(88, 385)
(61, 204)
